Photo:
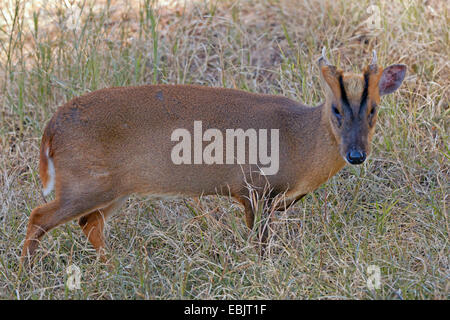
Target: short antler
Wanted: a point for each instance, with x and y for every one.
(373, 66)
(374, 57)
(323, 59)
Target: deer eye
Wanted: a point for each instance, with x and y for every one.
(337, 114)
(372, 111)
(372, 115)
(335, 111)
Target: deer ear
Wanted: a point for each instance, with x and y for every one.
(392, 78)
(329, 78)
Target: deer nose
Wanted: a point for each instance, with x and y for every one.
(356, 157)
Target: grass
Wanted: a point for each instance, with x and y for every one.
(391, 212)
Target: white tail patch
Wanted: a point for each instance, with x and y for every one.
(51, 175)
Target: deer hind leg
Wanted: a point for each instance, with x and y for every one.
(50, 215)
(93, 225)
(41, 220)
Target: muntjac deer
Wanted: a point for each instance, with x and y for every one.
(100, 148)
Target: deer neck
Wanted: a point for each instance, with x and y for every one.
(318, 157)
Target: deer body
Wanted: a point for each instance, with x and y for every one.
(121, 139)
(106, 145)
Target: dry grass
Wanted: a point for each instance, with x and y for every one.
(390, 213)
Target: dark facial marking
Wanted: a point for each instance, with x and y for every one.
(363, 103)
(344, 98)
